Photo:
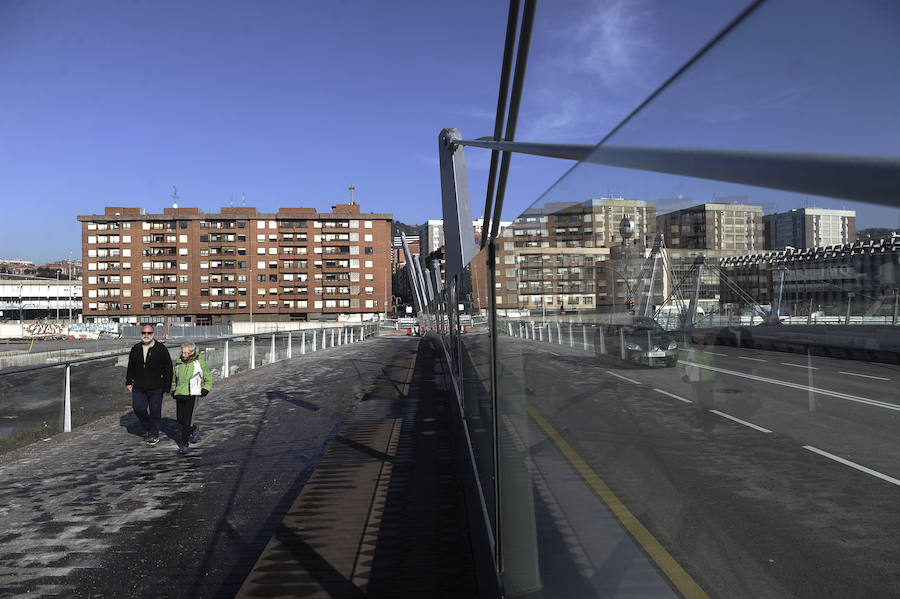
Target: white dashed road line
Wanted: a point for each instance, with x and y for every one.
(799, 366)
(867, 376)
(624, 377)
(739, 421)
(874, 473)
(754, 359)
(673, 395)
(839, 395)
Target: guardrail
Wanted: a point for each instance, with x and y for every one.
(93, 384)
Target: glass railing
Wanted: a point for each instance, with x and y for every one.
(690, 390)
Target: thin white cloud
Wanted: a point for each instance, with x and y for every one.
(475, 113)
(591, 78)
(609, 39)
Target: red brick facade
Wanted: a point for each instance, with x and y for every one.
(184, 265)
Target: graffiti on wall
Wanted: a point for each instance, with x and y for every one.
(94, 330)
(45, 329)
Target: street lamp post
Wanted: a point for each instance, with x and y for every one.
(627, 286)
(896, 307)
(57, 294)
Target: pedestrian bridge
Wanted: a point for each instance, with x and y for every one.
(531, 444)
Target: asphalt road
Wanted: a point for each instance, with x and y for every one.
(784, 485)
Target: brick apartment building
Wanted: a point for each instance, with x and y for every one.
(237, 265)
(563, 256)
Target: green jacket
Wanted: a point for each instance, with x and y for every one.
(691, 363)
(191, 376)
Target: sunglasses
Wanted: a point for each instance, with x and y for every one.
(143, 333)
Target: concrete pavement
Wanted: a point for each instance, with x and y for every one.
(96, 513)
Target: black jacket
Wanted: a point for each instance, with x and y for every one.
(155, 373)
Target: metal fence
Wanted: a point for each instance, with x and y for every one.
(57, 396)
(185, 331)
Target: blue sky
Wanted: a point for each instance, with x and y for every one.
(113, 103)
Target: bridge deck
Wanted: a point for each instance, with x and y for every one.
(304, 483)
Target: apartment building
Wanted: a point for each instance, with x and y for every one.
(809, 228)
(239, 264)
(565, 256)
(17, 267)
(714, 226)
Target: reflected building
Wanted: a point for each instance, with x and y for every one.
(565, 257)
(714, 226)
(715, 231)
(809, 228)
(864, 275)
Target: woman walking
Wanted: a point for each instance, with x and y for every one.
(192, 380)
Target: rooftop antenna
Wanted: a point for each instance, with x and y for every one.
(174, 197)
(351, 188)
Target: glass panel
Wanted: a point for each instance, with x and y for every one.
(475, 379)
(239, 355)
(31, 404)
(97, 388)
(695, 378)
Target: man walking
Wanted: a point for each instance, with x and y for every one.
(149, 374)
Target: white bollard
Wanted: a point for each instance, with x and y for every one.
(602, 335)
(541, 333)
(558, 333)
(303, 343)
(571, 336)
(290, 340)
(584, 334)
(314, 341)
(272, 355)
(225, 366)
(622, 351)
(252, 353)
(67, 402)
(332, 337)
(509, 326)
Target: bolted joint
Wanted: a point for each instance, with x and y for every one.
(450, 138)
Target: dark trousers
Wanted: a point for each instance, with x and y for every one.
(184, 411)
(147, 405)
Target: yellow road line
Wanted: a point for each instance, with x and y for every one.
(671, 568)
